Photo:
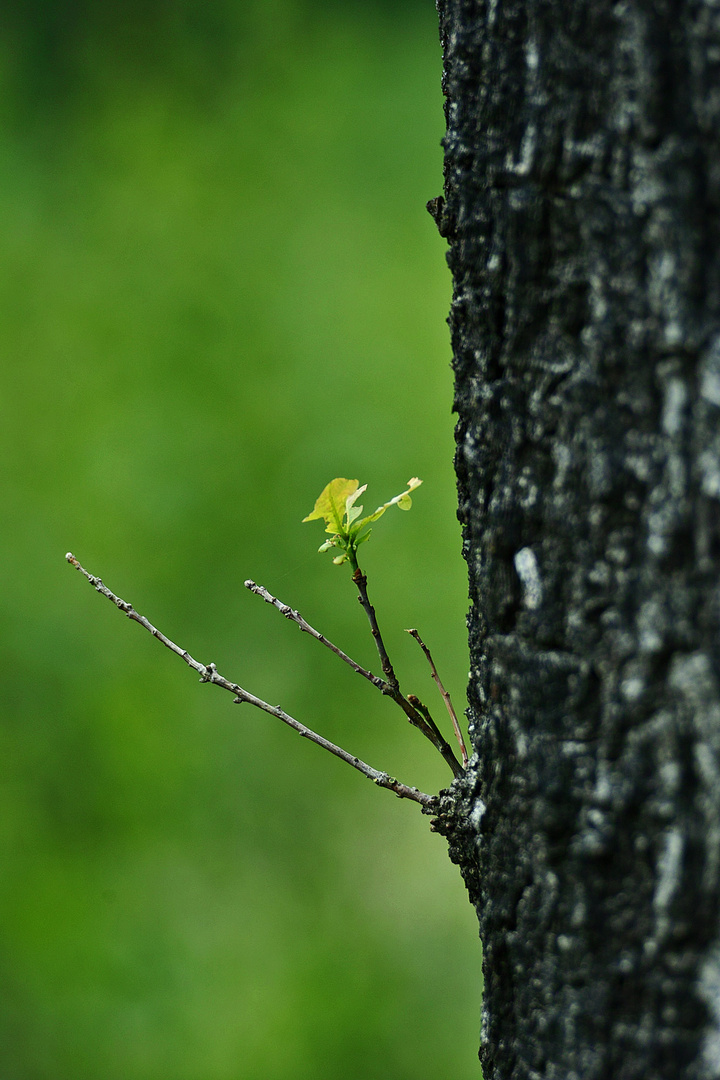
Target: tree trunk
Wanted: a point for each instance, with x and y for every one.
(582, 208)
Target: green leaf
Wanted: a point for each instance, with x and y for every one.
(351, 511)
(331, 504)
(336, 507)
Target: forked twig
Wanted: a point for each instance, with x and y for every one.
(445, 695)
(209, 673)
(418, 717)
(336, 506)
(417, 714)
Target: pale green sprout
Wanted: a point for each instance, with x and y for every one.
(336, 507)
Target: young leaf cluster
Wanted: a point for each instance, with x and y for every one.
(336, 506)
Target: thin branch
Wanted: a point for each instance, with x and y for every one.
(416, 716)
(445, 695)
(305, 626)
(360, 580)
(209, 673)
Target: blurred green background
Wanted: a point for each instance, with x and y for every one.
(220, 289)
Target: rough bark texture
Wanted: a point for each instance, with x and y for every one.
(582, 208)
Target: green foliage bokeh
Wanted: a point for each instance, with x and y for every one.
(221, 288)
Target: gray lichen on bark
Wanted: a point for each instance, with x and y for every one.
(582, 208)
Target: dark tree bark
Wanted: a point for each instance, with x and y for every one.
(582, 208)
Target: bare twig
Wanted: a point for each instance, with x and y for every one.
(209, 673)
(445, 695)
(305, 626)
